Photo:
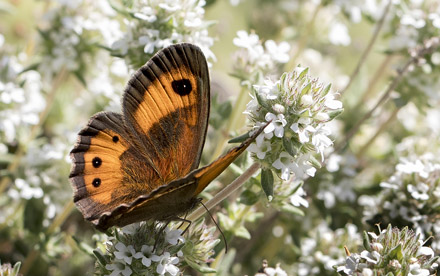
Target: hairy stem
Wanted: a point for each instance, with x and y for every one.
(227, 191)
(61, 217)
(302, 43)
(369, 47)
(380, 72)
(384, 126)
(340, 146)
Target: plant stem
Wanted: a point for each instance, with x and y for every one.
(29, 261)
(227, 191)
(380, 72)
(50, 98)
(305, 37)
(231, 124)
(368, 49)
(61, 217)
(340, 146)
(384, 126)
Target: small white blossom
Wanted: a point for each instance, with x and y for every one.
(174, 236)
(276, 125)
(145, 254)
(166, 264)
(124, 253)
(119, 268)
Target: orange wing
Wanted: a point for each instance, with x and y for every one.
(107, 170)
(166, 107)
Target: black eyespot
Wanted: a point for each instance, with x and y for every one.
(182, 87)
(96, 182)
(96, 162)
(115, 139)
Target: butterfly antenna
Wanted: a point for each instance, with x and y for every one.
(218, 227)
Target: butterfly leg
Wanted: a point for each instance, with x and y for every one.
(160, 234)
(183, 220)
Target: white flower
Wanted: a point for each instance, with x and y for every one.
(260, 150)
(119, 268)
(425, 251)
(284, 163)
(416, 270)
(269, 90)
(338, 34)
(124, 252)
(303, 129)
(145, 254)
(371, 257)
(331, 103)
(320, 139)
(297, 198)
(279, 53)
(166, 264)
(246, 40)
(173, 236)
(302, 168)
(351, 264)
(277, 271)
(276, 125)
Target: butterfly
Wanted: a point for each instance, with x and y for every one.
(142, 164)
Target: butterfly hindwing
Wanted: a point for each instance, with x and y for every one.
(166, 105)
(107, 168)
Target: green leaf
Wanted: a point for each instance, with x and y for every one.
(16, 269)
(306, 89)
(367, 242)
(249, 198)
(396, 253)
(100, 258)
(242, 232)
(81, 78)
(289, 146)
(239, 139)
(34, 215)
(335, 113)
(292, 209)
(267, 183)
(84, 247)
(303, 73)
(261, 101)
(326, 90)
(200, 268)
(315, 162)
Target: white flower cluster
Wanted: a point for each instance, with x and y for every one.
(337, 186)
(69, 32)
(412, 22)
(296, 109)
(322, 250)
(147, 248)
(393, 250)
(21, 99)
(157, 24)
(412, 194)
(254, 60)
(133, 258)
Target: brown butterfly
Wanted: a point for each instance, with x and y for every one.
(142, 164)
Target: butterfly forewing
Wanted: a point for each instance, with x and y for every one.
(166, 105)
